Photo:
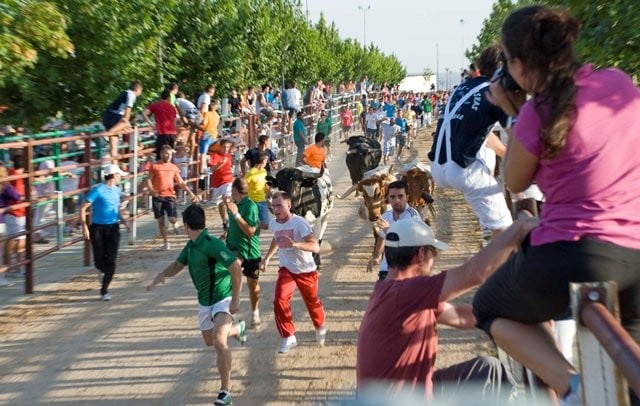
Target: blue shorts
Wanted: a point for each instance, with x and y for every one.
(263, 213)
(205, 142)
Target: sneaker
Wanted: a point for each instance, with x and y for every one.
(255, 320)
(287, 344)
(166, 246)
(106, 297)
(5, 282)
(224, 398)
(242, 332)
(321, 334)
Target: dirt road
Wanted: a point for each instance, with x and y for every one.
(65, 347)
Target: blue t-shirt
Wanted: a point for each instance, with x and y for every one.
(105, 203)
(299, 132)
(402, 123)
(390, 109)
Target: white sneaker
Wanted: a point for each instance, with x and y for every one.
(255, 320)
(5, 282)
(321, 334)
(106, 297)
(166, 246)
(287, 344)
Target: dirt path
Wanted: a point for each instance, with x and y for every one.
(65, 347)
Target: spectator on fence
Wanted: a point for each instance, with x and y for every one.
(162, 181)
(208, 133)
(325, 126)
(291, 99)
(165, 117)
(116, 117)
(398, 340)
(261, 101)
(299, 138)
(216, 275)
(13, 192)
(104, 231)
(234, 103)
(204, 100)
(221, 164)
(6, 189)
(590, 223)
(44, 189)
(251, 157)
(249, 101)
(316, 155)
(70, 183)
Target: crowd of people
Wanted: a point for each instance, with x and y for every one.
(554, 110)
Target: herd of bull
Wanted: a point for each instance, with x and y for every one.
(312, 192)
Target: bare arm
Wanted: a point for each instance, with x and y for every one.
(168, 272)
(475, 271)
(270, 253)
(519, 166)
(309, 244)
(145, 114)
(178, 179)
(152, 191)
(457, 316)
(83, 219)
(376, 256)
(127, 114)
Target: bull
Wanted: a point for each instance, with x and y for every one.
(363, 155)
(311, 193)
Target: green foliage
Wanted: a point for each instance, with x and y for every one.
(231, 43)
(609, 34)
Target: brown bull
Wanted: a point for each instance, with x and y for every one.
(420, 194)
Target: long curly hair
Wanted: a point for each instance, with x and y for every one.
(543, 39)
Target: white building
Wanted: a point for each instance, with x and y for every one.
(416, 82)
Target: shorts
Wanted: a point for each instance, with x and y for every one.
(221, 191)
(388, 145)
(346, 128)
(372, 132)
(162, 140)
(480, 188)
(162, 205)
(207, 313)
(15, 225)
(109, 119)
(205, 142)
(401, 140)
(251, 268)
(263, 212)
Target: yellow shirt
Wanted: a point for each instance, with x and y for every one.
(210, 122)
(314, 156)
(257, 180)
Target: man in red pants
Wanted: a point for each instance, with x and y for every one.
(293, 236)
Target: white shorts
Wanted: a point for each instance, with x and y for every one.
(480, 188)
(388, 145)
(15, 225)
(207, 313)
(220, 192)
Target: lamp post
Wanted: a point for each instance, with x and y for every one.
(462, 44)
(437, 67)
(364, 23)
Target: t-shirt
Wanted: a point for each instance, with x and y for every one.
(299, 132)
(402, 123)
(591, 186)
(291, 99)
(315, 156)
(398, 338)
(324, 126)
(408, 213)
(389, 109)
(163, 178)
(184, 105)
(125, 100)
(223, 174)
(469, 125)
(234, 103)
(237, 240)
(210, 122)
(205, 99)
(372, 121)
(295, 260)
(257, 181)
(389, 131)
(165, 116)
(14, 193)
(105, 203)
(199, 255)
(346, 117)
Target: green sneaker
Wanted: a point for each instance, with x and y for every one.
(224, 398)
(242, 332)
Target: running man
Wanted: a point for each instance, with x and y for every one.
(215, 273)
(163, 177)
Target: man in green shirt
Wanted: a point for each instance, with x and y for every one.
(216, 275)
(243, 239)
(324, 126)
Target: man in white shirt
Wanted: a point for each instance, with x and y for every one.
(204, 100)
(400, 209)
(293, 238)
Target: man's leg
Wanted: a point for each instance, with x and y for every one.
(111, 243)
(163, 229)
(285, 285)
(222, 329)
(254, 293)
(300, 154)
(308, 286)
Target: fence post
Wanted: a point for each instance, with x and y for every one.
(602, 382)
(60, 218)
(133, 146)
(87, 181)
(28, 280)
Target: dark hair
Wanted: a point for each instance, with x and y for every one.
(266, 85)
(172, 86)
(490, 60)
(283, 195)
(262, 140)
(18, 162)
(542, 38)
(135, 85)
(398, 184)
(224, 142)
(241, 185)
(400, 257)
(261, 156)
(319, 137)
(194, 217)
(166, 93)
(209, 88)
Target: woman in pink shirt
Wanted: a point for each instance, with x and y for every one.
(577, 138)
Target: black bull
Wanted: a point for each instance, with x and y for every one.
(364, 154)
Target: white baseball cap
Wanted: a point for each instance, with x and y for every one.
(412, 233)
(113, 169)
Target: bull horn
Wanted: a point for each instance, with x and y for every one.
(347, 193)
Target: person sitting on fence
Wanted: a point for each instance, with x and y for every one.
(116, 117)
(398, 341)
(208, 132)
(13, 192)
(164, 114)
(590, 223)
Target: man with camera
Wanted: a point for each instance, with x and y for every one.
(464, 151)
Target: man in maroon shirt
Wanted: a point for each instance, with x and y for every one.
(398, 339)
(165, 116)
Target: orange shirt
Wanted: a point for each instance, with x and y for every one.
(163, 178)
(315, 156)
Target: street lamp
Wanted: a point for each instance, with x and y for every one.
(462, 46)
(364, 22)
(437, 67)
